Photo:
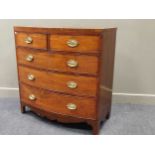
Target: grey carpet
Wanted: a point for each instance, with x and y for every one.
(126, 119)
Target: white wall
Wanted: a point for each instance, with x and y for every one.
(134, 63)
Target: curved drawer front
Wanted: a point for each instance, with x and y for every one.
(59, 62)
(54, 102)
(77, 85)
(31, 40)
(84, 44)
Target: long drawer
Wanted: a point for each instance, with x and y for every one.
(81, 64)
(63, 104)
(76, 85)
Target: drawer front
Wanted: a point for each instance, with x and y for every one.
(32, 40)
(77, 85)
(58, 62)
(87, 44)
(54, 102)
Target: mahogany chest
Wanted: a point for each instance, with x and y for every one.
(66, 74)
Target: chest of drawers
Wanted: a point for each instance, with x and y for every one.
(66, 74)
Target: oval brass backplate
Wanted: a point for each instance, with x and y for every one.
(71, 106)
(72, 43)
(28, 40)
(72, 63)
(72, 84)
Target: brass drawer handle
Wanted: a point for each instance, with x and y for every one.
(32, 97)
(28, 40)
(29, 58)
(31, 77)
(72, 43)
(71, 106)
(72, 63)
(72, 84)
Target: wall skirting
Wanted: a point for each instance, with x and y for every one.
(117, 97)
(6, 92)
(133, 98)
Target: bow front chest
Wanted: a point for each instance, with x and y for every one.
(66, 74)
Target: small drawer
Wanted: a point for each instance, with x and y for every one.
(32, 40)
(85, 44)
(70, 84)
(81, 64)
(58, 103)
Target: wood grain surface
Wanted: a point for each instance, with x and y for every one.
(58, 62)
(54, 102)
(87, 44)
(86, 86)
(39, 40)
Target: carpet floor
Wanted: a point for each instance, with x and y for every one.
(126, 119)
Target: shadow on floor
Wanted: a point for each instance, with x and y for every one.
(81, 126)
